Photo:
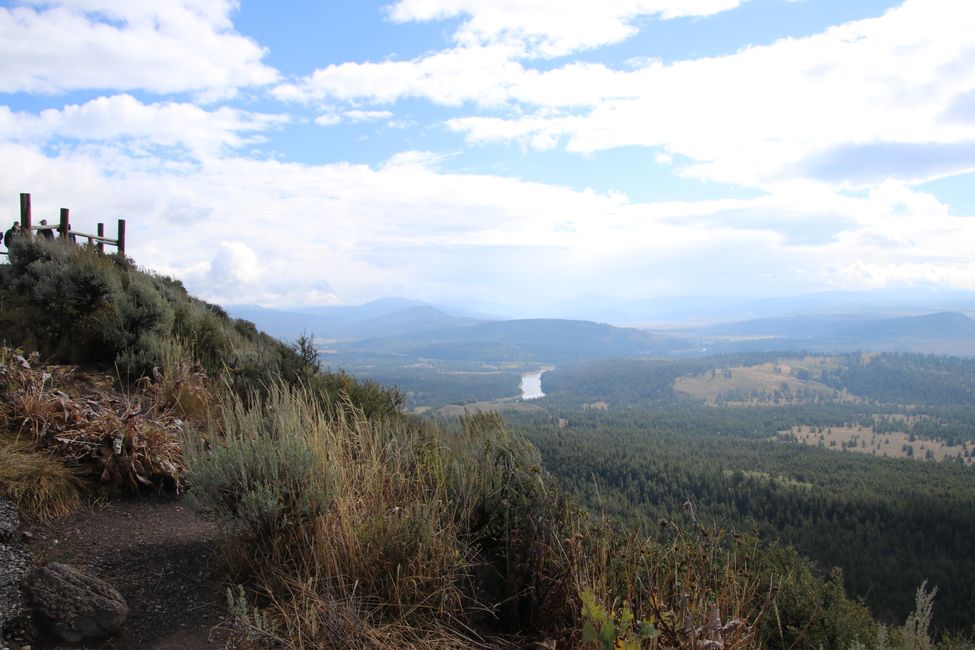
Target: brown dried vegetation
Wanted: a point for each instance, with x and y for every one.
(126, 441)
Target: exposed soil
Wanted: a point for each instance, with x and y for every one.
(159, 554)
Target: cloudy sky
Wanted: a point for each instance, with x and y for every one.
(512, 152)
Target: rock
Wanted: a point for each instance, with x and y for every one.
(14, 565)
(9, 520)
(74, 605)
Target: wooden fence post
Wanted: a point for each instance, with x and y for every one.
(121, 236)
(64, 226)
(25, 213)
(101, 233)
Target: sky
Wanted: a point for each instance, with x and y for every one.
(504, 155)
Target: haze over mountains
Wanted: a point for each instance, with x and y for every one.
(387, 316)
(918, 321)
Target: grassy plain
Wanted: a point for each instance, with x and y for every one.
(864, 440)
(762, 384)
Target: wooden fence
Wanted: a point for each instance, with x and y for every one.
(98, 240)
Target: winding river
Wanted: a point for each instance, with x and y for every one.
(531, 384)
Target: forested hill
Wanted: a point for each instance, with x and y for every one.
(386, 317)
(943, 325)
(541, 340)
(766, 377)
(862, 461)
(939, 333)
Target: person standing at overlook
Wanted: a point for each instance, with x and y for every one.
(46, 233)
(11, 235)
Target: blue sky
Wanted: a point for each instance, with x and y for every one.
(515, 153)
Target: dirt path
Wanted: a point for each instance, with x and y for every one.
(160, 555)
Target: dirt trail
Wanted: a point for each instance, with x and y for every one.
(163, 559)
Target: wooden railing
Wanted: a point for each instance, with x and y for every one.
(98, 240)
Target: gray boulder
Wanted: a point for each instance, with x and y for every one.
(14, 565)
(74, 605)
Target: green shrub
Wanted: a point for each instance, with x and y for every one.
(356, 506)
(265, 479)
(807, 609)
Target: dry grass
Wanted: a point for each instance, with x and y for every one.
(384, 534)
(417, 536)
(38, 483)
(179, 387)
(693, 587)
(126, 441)
(760, 384)
(864, 440)
(325, 510)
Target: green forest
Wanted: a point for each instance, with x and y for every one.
(890, 524)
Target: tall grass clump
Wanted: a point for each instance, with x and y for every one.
(687, 587)
(343, 522)
(37, 482)
(516, 522)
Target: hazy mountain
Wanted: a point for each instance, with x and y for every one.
(420, 318)
(285, 325)
(542, 340)
(385, 317)
(353, 313)
(944, 325)
(696, 310)
(799, 327)
(939, 333)
(918, 320)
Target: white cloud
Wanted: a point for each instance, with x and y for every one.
(883, 97)
(451, 77)
(822, 106)
(266, 232)
(854, 106)
(163, 46)
(122, 117)
(356, 116)
(235, 266)
(367, 116)
(550, 27)
(329, 119)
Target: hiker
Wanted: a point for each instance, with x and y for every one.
(46, 233)
(71, 237)
(12, 233)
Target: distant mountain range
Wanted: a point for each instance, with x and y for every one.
(940, 333)
(701, 310)
(929, 326)
(386, 317)
(525, 340)
(409, 328)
